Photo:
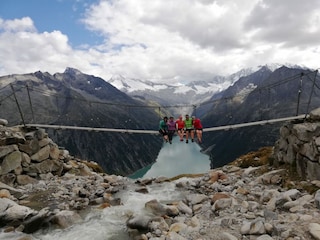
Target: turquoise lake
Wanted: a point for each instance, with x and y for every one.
(176, 158)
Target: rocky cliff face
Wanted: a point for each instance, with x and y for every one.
(33, 170)
(28, 154)
(299, 146)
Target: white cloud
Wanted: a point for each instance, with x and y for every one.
(162, 40)
(17, 25)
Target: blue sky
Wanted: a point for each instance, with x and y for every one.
(162, 41)
(50, 15)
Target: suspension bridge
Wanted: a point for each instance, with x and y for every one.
(208, 129)
(219, 128)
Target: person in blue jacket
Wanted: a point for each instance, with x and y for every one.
(163, 128)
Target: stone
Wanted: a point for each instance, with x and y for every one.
(140, 222)
(158, 223)
(25, 160)
(257, 228)
(142, 190)
(35, 223)
(40, 134)
(41, 155)
(44, 142)
(46, 166)
(11, 189)
(4, 193)
(315, 114)
(54, 152)
(65, 218)
(317, 199)
(18, 212)
(3, 122)
(228, 236)
(196, 198)
(160, 209)
(264, 237)
(218, 196)
(25, 179)
(11, 162)
(177, 227)
(184, 208)
(221, 204)
(30, 147)
(267, 178)
(5, 150)
(313, 170)
(216, 175)
(314, 230)
(174, 236)
(8, 179)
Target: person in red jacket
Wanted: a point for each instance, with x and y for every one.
(198, 128)
(180, 127)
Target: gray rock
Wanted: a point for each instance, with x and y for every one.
(5, 150)
(18, 212)
(3, 122)
(314, 229)
(66, 218)
(25, 179)
(317, 199)
(41, 155)
(140, 222)
(11, 162)
(315, 114)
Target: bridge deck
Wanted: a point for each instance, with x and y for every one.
(218, 128)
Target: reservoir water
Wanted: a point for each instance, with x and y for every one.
(176, 158)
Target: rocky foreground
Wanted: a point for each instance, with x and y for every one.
(43, 187)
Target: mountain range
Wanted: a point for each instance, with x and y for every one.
(184, 95)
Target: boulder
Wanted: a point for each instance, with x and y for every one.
(3, 122)
(11, 162)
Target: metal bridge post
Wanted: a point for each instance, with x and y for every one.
(15, 97)
(312, 90)
(299, 93)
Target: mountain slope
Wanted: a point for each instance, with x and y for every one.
(259, 96)
(74, 98)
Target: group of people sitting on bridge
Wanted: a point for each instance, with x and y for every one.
(188, 127)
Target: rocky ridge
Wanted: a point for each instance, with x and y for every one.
(43, 186)
(299, 146)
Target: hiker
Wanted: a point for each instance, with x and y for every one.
(198, 128)
(163, 128)
(171, 128)
(189, 128)
(180, 127)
